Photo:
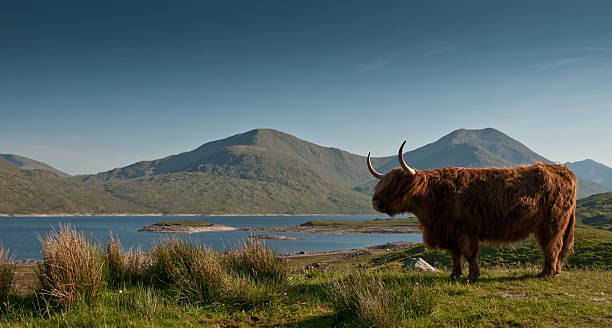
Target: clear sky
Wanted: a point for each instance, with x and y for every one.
(87, 86)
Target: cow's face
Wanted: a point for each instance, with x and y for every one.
(390, 193)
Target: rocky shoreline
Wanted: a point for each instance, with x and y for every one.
(274, 237)
(341, 230)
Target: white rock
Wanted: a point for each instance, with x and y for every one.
(419, 264)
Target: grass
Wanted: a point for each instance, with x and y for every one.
(7, 272)
(188, 223)
(595, 211)
(125, 267)
(250, 287)
(72, 268)
(369, 223)
(592, 249)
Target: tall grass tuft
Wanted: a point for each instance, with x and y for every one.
(7, 271)
(125, 267)
(72, 267)
(371, 302)
(255, 259)
(194, 272)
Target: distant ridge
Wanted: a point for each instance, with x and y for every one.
(593, 170)
(25, 163)
(41, 191)
(258, 171)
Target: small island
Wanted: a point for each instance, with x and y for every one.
(277, 237)
(186, 226)
(402, 225)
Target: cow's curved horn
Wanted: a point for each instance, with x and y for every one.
(372, 170)
(407, 169)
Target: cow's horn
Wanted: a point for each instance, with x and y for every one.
(407, 169)
(372, 170)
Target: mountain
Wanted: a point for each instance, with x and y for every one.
(41, 191)
(478, 148)
(593, 170)
(259, 171)
(470, 148)
(595, 211)
(25, 163)
(243, 156)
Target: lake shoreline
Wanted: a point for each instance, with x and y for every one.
(45, 215)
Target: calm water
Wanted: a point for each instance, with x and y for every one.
(20, 235)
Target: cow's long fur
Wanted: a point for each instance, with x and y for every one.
(459, 208)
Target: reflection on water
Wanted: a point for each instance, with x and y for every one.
(20, 235)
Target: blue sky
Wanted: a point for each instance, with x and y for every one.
(87, 86)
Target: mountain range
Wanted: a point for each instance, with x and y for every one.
(259, 171)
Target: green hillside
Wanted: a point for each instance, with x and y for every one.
(595, 211)
(25, 163)
(38, 191)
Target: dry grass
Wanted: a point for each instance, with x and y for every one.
(364, 298)
(71, 269)
(7, 271)
(245, 277)
(125, 267)
(370, 301)
(255, 259)
(194, 272)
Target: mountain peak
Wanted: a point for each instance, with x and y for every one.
(592, 170)
(486, 147)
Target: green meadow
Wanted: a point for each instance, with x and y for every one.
(181, 284)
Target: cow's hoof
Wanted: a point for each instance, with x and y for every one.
(473, 278)
(455, 275)
(546, 274)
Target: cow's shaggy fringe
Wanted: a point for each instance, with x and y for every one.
(7, 271)
(124, 267)
(72, 268)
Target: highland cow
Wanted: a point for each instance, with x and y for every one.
(459, 208)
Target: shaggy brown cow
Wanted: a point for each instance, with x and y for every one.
(459, 208)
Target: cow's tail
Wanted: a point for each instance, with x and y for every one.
(568, 238)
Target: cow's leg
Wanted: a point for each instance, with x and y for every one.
(457, 270)
(550, 241)
(470, 252)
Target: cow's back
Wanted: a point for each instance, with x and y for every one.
(502, 205)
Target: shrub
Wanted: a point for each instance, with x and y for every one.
(195, 273)
(71, 269)
(7, 271)
(371, 302)
(246, 293)
(257, 260)
(124, 267)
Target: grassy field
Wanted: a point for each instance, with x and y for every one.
(185, 285)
